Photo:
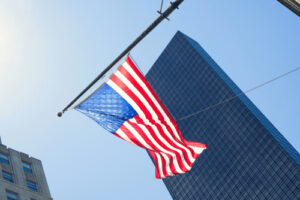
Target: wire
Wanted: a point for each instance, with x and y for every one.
(161, 5)
(231, 98)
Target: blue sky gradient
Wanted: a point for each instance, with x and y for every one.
(50, 50)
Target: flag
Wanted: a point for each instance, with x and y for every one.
(127, 106)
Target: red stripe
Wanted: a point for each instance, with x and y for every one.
(154, 123)
(142, 134)
(147, 140)
(182, 150)
(196, 144)
(125, 89)
(155, 109)
(131, 136)
(150, 129)
(157, 174)
(116, 134)
(140, 75)
(164, 165)
(142, 91)
(152, 133)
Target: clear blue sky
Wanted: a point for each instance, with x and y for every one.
(50, 50)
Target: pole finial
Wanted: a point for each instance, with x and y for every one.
(59, 114)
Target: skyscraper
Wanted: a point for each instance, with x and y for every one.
(248, 158)
(22, 177)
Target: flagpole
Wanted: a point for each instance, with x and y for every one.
(174, 5)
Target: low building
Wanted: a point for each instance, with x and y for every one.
(22, 177)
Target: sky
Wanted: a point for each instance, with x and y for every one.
(51, 50)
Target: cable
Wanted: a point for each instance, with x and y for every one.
(247, 91)
(161, 5)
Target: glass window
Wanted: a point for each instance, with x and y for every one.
(31, 186)
(4, 158)
(7, 176)
(11, 196)
(27, 167)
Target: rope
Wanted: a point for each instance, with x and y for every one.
(242, 93)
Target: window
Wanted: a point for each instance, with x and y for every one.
(27, 167)
(11, 196)
(31, 186)
(4, 158)
(7, 176)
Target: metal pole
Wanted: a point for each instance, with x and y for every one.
(164, 15)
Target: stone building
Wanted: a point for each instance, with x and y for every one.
(22, 177)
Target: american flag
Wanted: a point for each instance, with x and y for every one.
(127, 106)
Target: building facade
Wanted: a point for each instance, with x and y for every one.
(22, 177)
(248, 158)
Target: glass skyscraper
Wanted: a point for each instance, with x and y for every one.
(248, 158)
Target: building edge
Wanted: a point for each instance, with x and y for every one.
(18, 184)
(284, 143)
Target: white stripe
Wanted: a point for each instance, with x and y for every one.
(148, 92)
(142, 115)
(126, 97)
(157, 133)
(159, 165)
(137, 136)
(137, 93)
(197, 150)
(167, 164)
(124, 136)
(149, 136)
(153, 114)
(142, 141)
(190, 157)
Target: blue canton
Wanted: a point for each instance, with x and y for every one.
(107, 108)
